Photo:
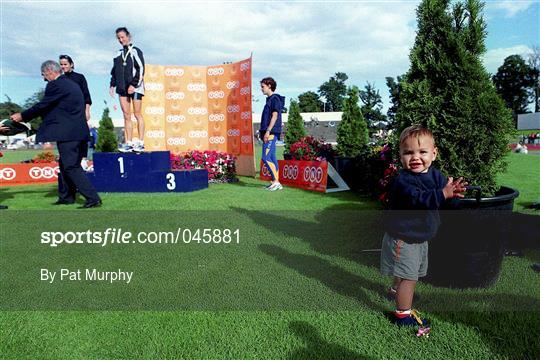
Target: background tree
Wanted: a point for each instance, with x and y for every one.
(309, 102)
(295, 126)
(448, 90)
(352, 132)
(372, 107)
(334, 91)
(534, 63)
(394, 89)
(107, 141)
(8, 107)
(514, 81)
(31, 101)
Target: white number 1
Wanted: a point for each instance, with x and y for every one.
(121, 161)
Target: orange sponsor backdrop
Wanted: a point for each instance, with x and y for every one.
(200, 108)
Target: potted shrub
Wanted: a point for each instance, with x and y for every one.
(352, 141)
(448, 90)
(106, 138)
(295, 129)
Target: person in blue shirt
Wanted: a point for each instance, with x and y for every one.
(415, 195)
(270, 130)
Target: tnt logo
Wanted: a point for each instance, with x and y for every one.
(178, 72)
(233, 84)
(233, 132)
(313, 174)
(46, 172)
(265, 171)
(7, 174)
(197, 111)
(196, 87)
(245, 90)
(216, 117)
(174, 95)
(233, 108)
(216, 71)
(198, 134)
(216, 94)
(216, 140)
(175, 119)
(155, 134)
(176, 141)
(290, 172)
(152, 86)
(155, 110)
(244, 66)
(246, 139)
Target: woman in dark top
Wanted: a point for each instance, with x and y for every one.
(67, 64)
(127, 81)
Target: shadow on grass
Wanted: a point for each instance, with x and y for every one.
(316, 347)
(524, 231)
(336, 231)
(335, 278)
(510, 325)
(11, 193)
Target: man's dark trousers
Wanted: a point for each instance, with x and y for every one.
(72, 177)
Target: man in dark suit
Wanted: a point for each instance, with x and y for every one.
(64, 121)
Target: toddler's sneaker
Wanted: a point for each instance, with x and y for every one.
(266, 187)
(412, 319)
(277, 186)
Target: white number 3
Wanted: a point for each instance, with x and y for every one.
(171, 185)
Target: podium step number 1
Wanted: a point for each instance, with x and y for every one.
(144, 172)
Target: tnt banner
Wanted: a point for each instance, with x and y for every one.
(27, 174)
(200, 108)
(309, 175)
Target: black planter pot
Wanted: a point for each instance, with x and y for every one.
(468, 249)
(349, 168)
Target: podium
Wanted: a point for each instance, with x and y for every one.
(143, 172)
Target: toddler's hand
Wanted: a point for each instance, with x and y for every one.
(454, 188)
(460, 187)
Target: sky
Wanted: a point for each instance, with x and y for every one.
(299, 43)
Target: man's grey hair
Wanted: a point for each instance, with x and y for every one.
(51, 65)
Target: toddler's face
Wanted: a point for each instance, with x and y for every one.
(417, 154)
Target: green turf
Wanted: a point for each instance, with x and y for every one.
(314, 293)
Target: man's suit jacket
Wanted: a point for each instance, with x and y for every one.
(63, 111)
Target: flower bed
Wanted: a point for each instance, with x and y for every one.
(309, 148)
(43, 157)
(221, 166)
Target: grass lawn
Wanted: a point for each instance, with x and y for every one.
(298, 286)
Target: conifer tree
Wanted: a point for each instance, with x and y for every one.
(295, 126)
(107, 141)
(352, 132)
(448, 90)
